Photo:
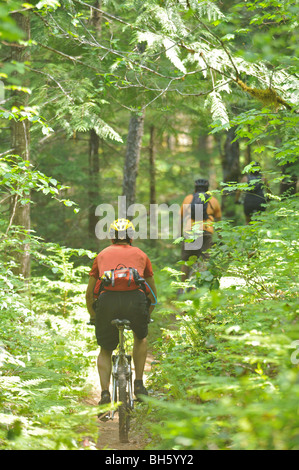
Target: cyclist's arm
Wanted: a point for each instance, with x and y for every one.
(89, 296)
(151, 283)
(216, 209)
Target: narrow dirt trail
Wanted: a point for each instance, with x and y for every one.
(108, 430)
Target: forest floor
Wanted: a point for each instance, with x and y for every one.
(108, 430)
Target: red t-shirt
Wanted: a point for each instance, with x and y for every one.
(128, 255)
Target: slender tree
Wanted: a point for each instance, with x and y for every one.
(20, 144)
(231, 169)
(132, 157)
(93, 188)
(152, 164)
(94, 140)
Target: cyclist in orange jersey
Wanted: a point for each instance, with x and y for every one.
(211, 212)
(134, 303)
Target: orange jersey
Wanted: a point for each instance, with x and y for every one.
(213, 211)
(127, 255)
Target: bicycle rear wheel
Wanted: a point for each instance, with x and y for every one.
(124, 409)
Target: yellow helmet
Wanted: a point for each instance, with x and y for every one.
(121, 229)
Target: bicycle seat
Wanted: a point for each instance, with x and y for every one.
(121, 323)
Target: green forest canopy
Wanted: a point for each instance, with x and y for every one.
(106, 98)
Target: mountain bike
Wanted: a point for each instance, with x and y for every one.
(122, 390)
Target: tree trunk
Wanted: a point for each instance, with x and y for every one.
(205, 150)
(93, 186)
(152, 174)
(132, 157)
(206, 144)
(231, 171)
(94, 163)
(152, 165)
(247, 154)
(20, 141)
(96, 17)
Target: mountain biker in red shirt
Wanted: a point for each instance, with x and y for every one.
(132, 305)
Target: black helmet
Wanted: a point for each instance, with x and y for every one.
(202, 183)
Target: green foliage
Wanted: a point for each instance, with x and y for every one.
(62, 285)
(45, 348)
(18, 177)
(45, 362)
(8, 29)
(228, 371)
(261, 126)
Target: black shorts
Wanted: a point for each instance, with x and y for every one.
(129, 305)
(253, 203)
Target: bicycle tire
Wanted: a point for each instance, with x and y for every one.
(123, 410)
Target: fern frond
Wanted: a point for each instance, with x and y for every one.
(218, 108)
(203, 8)
(154, 42)
(32, 382)
(208, 9)
(171, 52)
(166, 19)
(84, 117)
(104, 131)
(152, 39)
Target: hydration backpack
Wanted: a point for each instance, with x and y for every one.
(120, 279)
(198, 201)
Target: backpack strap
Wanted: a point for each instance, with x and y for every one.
(112, 277)
(130, 276)
(208, 202)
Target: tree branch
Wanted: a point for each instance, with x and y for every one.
(220, 42)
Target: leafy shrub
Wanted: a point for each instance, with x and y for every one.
(229, 370)
(45, 360)
(45, 348)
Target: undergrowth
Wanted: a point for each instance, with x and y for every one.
(227, 375)
(45, 362)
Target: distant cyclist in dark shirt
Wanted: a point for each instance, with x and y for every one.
(132, 305)
(255, 195)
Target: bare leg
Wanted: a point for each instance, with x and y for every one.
(139, 356)
(104, 368)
